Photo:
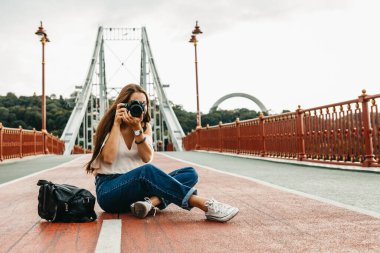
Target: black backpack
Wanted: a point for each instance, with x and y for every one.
(65, 203)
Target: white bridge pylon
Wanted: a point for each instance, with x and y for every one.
(92, 99)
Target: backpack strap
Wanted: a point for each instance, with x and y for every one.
(43, 182)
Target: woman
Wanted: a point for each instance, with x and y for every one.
(125, 180)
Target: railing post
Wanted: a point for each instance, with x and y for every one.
(237, 122)
(34, 141)
(20, 130)
(369, 155)
(198, 135)
(220, 136)
(262, 135)
(62, 147)
(46, 150)
(190, 141)
(208, 137)
(1, 142)
(52, 143)
(300, 133)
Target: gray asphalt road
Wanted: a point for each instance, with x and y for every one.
(359, 189)
(13, 169)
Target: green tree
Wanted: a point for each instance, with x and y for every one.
(26, 112)
(9, 100)
(188, 119)
(4, 114)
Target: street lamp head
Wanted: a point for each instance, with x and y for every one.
(193, 39)
(41, 30)
(197, 29)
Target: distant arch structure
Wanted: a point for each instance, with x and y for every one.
(238, 94)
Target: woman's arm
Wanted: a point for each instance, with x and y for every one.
(111, 146)
(145, 149)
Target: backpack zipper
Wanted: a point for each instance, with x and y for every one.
(66, 207)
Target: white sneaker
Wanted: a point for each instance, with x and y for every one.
(219, 211)
(141, 209)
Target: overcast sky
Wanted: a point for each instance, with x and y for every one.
(283, 52)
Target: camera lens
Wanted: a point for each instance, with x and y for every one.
(136, 109)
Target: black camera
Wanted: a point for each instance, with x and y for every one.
(135, 107)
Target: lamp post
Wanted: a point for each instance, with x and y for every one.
(194, 40)
(44, 39)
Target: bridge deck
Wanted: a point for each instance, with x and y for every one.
(270, 219)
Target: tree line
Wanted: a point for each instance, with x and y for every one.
(25, 111)
(188, 119)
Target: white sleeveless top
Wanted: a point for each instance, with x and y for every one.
(125, 160)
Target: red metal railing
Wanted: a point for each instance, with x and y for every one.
(80, 150)
(17, 143)
(341, 133)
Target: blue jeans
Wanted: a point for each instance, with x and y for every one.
(116, 192)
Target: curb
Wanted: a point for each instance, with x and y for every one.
(300, 163)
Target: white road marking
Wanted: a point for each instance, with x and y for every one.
(39, 172)
(109, 240)
(303, 194)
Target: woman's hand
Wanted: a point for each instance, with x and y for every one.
(134, 122)
(120, 114)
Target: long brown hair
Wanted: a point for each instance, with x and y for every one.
(106, 123)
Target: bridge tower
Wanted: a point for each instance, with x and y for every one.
(92, 99)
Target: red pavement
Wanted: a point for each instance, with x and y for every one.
(269, 220)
